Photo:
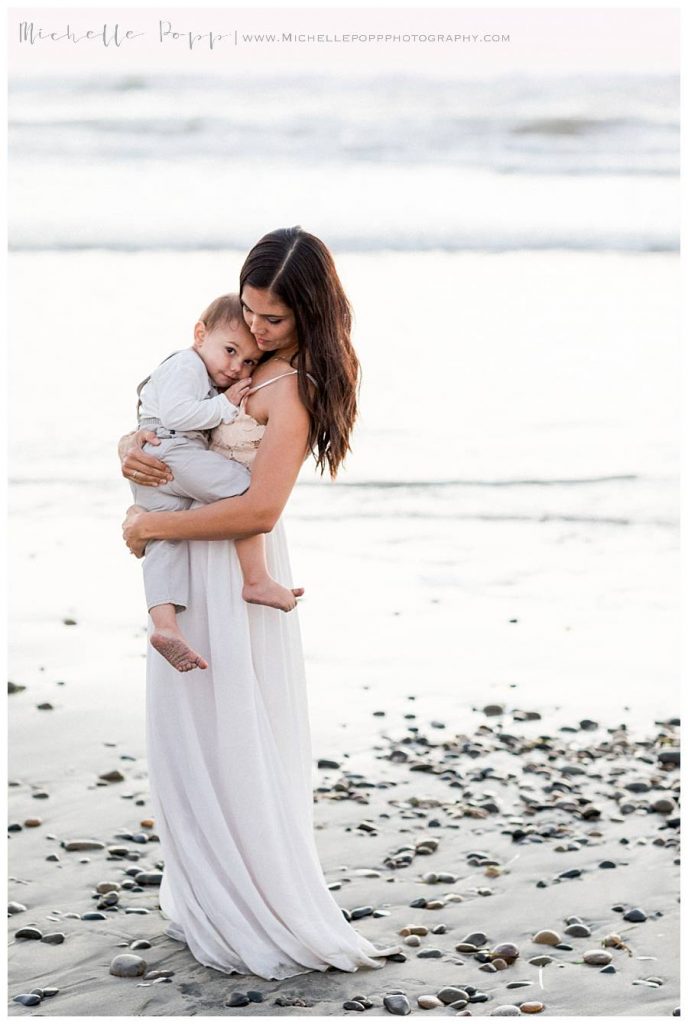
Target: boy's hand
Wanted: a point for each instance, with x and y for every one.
(238, 391)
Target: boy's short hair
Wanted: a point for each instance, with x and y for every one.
(226, 309)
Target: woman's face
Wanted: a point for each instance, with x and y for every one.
(270, 321)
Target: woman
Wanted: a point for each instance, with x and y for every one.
(229, 750)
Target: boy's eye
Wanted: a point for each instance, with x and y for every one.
(230, 350)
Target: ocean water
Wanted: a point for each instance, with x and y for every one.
(510, 249)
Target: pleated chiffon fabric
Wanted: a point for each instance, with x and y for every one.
(231, 775)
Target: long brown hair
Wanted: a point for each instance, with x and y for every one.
(299, 269)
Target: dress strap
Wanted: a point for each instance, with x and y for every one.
(272, 381)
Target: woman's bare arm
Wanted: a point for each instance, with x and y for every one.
(276, 468)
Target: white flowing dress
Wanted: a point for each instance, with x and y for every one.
(231, 776)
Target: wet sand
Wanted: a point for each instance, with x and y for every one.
(518, 815)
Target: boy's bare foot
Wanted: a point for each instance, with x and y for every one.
(175, 649)
(271, 593)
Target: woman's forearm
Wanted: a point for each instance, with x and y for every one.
(228, 519)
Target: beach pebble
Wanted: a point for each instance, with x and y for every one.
(353, 1004)
(505, 1011)
(103, 887)
(450, 994)
(94, 915)
(476, 939)
(140, 944)
(45, 706)
(238, 999)
(48, 992)
(412, 940)
(578, 931)
(609, 969)
(430, 954)
(14, 687)
(635, 915)
(324, 762)
(499, 964)
(646, 982)
(257, 997)
(547, 937)
(670, 757)
(28, 999)
(519, 984)
(126, 965)
(14, 826)
(113, 776)
(492, 710)
(571, 873)
(32, 822)
(664, 805)
(541, 961)
(532, 1007)
(155, 878)
(607, 864)
(429, 1002)
(28, 933)
(397, 1004)
(15, 908)
(597, 957)
(489, 968)
(506, 951)
(82, 844)
(54, 938)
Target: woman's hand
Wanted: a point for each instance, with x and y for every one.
(131, 530)
(137, 465)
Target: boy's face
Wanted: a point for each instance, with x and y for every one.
(228, 351)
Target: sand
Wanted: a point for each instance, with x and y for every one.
(406, 795)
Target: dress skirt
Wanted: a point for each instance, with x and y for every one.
(231, 785)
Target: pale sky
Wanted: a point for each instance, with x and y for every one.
(540, 40)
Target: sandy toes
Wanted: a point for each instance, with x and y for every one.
(271, 594)
(175, 649)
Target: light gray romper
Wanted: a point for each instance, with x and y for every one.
(199, 474)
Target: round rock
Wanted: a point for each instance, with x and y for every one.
(15, 908)
(397, 1003)
(449, 994)
(597, 957)
(28, 933)
(635, 915)
(127, 965)
(506, 951)
(578, 931)
(547, 937)
(28, 999)
(54, 938)
(507, 1010)
(532, 1007)
(428, 1002)
(238, 999)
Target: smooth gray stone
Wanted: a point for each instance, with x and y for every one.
(430, 954)
(27, 999)
(352, 1004)
(15, 908)
(54, 938)
(476, 939)
(505, 1011)
(397, 1004)
(149, 878)
(140, 944)
(449, 994)
(578, 931)
(635, 915)
(94, 915)
(126, 965)
(238, 999)
(255, 996)
(28, 933)
(83, 844)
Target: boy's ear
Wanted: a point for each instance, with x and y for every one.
(199, 332)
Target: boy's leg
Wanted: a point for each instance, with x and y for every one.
(207, 476)
(166, 562)
(259, 586)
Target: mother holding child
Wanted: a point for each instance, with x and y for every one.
(229, 747)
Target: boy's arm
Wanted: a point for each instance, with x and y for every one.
(182, 403)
